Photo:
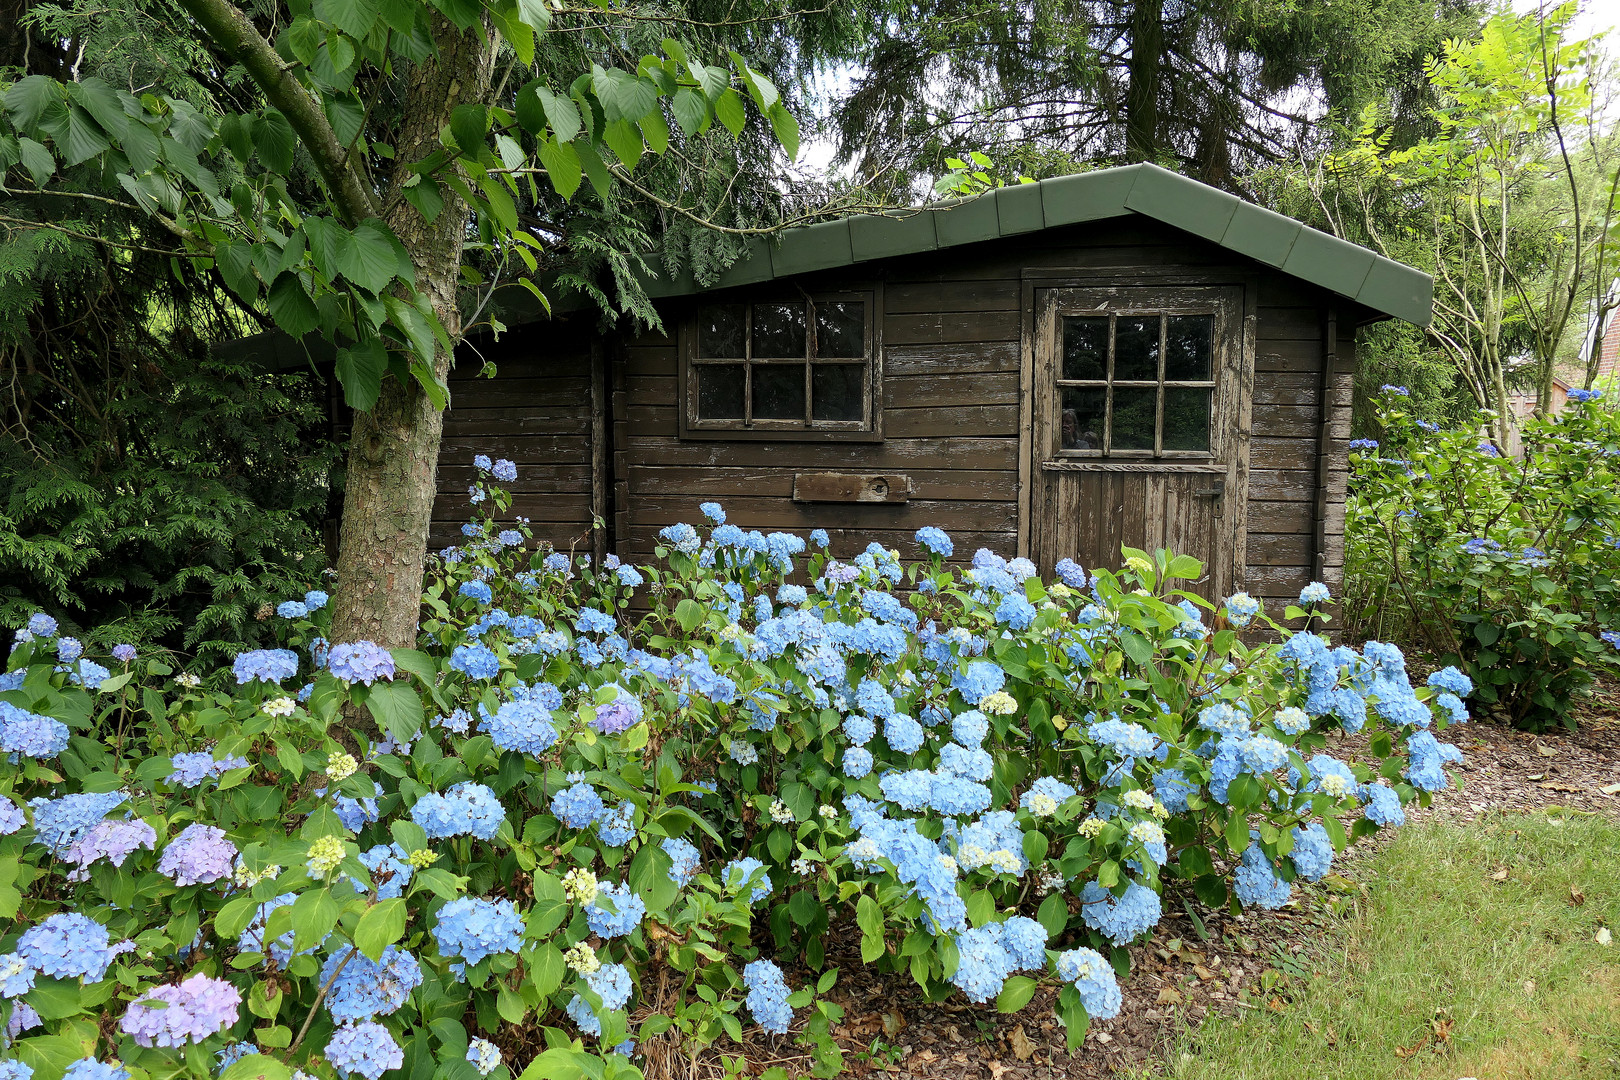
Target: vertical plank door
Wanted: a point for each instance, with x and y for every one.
(1135, 438)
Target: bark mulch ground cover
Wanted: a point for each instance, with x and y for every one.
(1195, 964)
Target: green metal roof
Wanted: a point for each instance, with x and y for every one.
(1378, 283)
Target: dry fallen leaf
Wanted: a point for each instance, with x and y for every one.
(1576, 897)
(1203, 972)
(1537, 776)
(893, 1022)
(1500, 875)
(1546, 751)
(996, 1069)
(1169, 995)
(1022, 1048)
(1610, 789)
(1529, 986)
(1603, 937)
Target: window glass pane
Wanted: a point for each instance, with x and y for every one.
(720, 331)
(841, 328)
(720, 391)
(1186, 418)
(1085, 348)
(1083, 412)
(1136, 349)
(1187, 347)
(778, 330)
(778, 391)
(1133, 418)
(837, 392)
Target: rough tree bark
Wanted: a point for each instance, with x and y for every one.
(394, 448)
(1144, 70)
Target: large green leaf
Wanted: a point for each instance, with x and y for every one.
(353, 17)
(396, 708)
(468, 123)
(624, 139)
(81, 138)
(273, 138)
(786, 128)
(562, 167)
(562, 114)
(535, 13)
(382, 924)
(369, 260)
(37, 160)
(29, 99)
(360, 369)
(729, 109)
(691, 110)
(291, 306)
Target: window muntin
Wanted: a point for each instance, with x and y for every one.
(1136, 384)
(803, 364)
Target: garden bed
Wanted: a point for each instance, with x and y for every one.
(1186, 972)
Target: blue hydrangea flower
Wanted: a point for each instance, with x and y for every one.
(91, 1069)
(475, 660)
(935, 540)
(1015, 611)
(269, 665)
(1095, 979)
(1241, 608)
(1452, 681)
(1024, 941)
(504, 470)
(360, 662)
(30, 734)
(361, 988)
(1312, 854)
(970, 764)
(983, 965)
(611, 983)
(41, 625)
(1256, 883)
(1050, 789)
(292, 609)
(315, 599)
(366, 1049)
(767, 996)
(467, 809)
(970, 728)
(578, 806)
(67, 945)
(738, 871)
(903, 734)
(1383, 805)
(474, 929)
(626, 916)
(1124, 918)
(617, 826)
(857, 762)
(523, 726)
(484, 1055)
(390, 869)
(684, 860)
(1314, 595)
(713, 512)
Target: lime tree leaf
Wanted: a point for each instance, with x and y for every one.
(562, 114)
(591, 161)
(535, 13)
(624, 140)
(273, 138)
(786, 128)
(28, 99)
(691, 110)
(360, 369)
(369, 260)
(396, 708)
(562, 167)
(291, 306)
(467, 126)
(729, 108)
(37, 160)
(353, 17)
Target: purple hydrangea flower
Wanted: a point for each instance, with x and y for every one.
(360, 662)
(199, 855)
(124, 654)
(110, 840)
(194, 1010)
(620, 714)
(270, 665)
(68, 945)
(366, 1049)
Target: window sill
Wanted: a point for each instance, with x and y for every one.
(1135, 465)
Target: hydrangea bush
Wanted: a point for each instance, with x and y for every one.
(1508, 568)
(568, 823)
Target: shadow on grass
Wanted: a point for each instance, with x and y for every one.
(1447, 967)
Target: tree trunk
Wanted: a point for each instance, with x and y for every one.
(1144, 71)
(394, 448)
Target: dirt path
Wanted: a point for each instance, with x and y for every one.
(1191, 967)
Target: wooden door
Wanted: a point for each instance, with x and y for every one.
(1135, 427)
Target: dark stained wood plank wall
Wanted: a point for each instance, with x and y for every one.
(951, 399)
(535, 412)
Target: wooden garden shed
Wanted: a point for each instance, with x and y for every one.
(1122, 356)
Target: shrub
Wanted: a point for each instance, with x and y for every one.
(562, 806)
(1505, 567)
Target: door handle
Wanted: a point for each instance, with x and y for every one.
(1214, 492)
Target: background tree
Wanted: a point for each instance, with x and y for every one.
(1509, 204)
(1210, 88)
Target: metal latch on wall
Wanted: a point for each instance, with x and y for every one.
(1214, 491)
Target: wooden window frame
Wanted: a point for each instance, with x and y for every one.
(867, 429)
(1163, 307)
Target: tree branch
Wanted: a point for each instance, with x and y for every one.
(235, 33)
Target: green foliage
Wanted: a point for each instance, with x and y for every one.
(1507, 568)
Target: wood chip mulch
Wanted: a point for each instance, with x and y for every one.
(1193, 966)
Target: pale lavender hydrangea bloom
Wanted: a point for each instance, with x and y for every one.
(12, 817)
(110, 840)
(366, 1049)
(192, 1011)
(124, 654)
(360, 662)
(199, 855)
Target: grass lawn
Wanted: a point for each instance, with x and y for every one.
(1445, 967)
